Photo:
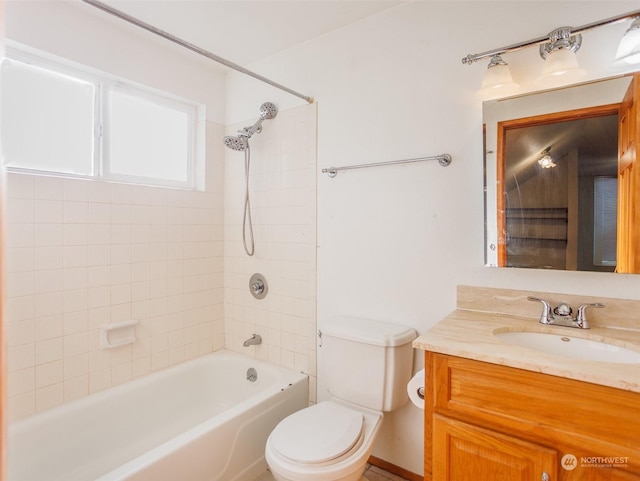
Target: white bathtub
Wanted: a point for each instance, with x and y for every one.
(198, 421)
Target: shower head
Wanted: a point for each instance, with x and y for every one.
(268, 111)
(236, 142)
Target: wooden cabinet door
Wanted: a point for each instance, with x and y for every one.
(463, 452)
(628, 250)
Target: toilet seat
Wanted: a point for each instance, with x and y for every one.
(318, 435)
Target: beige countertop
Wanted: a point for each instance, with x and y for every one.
(470, 334)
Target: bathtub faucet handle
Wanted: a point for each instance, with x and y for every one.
(254, 340)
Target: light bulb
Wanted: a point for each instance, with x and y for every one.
(561, 66)
(497, 79)
(629, 47)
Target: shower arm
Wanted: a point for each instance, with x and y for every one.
(249, 131)
(194, 48)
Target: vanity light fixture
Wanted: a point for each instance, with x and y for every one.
(546, 161)
(558, 49)
(629, 48)
(560, 58)
(498, 77)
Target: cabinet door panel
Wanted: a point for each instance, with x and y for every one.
(628, 254)
(463, 452)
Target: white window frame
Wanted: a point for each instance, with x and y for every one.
(105, 84)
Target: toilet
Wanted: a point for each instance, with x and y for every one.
(367, 365)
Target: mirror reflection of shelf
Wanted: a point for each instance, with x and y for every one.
(537, 225)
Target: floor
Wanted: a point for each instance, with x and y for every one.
(373, 473)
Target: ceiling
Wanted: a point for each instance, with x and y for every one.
(244, 31)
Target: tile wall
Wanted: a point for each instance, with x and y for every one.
(82, 253)
(283, 199)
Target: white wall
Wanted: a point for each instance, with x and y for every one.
(393, 242)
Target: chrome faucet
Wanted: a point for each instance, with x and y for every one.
(254, 340)
(562, 314)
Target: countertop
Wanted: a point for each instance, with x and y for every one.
(470, 334)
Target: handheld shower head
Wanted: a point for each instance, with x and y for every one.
(268, 111)
(240, 142)
(236, 142)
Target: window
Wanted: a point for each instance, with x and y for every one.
(159, 150)
(605, 220)
(60, 119)
(47, 120)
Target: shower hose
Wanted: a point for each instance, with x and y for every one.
(246, 216)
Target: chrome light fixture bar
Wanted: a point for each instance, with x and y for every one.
(573, 32)
(561, 38)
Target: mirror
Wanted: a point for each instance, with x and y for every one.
(551, 164)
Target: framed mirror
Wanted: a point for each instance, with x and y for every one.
(551, 178)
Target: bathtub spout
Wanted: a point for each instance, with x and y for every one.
(253, 340)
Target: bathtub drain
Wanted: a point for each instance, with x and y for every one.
(252, 374)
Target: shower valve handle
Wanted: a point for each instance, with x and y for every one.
(257, 287)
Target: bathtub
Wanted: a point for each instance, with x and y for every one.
(202, 420)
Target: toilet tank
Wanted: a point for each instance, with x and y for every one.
(367, 362)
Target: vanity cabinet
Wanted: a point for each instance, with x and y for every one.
(490, 422)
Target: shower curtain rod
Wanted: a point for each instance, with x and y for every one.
(443, 160)
(194, 48)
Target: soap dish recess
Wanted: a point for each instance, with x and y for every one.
(116, 334)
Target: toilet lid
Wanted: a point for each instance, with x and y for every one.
(318, 433)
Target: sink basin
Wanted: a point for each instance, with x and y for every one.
(573, 347)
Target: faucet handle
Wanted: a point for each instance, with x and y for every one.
(581, 318)
(531, 298)
(547, 313)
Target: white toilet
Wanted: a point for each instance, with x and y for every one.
(367, 365)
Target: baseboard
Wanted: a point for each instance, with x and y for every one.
(397, 470)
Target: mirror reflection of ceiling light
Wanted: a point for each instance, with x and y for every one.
(546, 161)
(558, 49)
(629, 48)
